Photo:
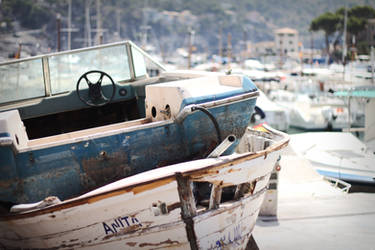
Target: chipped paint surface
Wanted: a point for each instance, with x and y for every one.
(123, 214)
(68, 170)
(97, 173)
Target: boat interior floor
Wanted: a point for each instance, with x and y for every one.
(76, 120)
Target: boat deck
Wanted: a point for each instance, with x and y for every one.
(312, 214)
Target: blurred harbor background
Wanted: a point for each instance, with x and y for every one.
(313, 60)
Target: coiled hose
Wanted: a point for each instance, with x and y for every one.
(212, 118)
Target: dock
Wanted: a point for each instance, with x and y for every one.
(313, 214)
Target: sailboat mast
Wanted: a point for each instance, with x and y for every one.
(344, 41)
(87, 23)
(99, 22)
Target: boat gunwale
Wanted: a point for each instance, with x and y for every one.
(82, 199)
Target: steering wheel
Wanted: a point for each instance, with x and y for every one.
(96, 98)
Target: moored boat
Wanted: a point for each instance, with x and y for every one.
(337, 155)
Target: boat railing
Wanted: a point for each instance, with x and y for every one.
(337, 183)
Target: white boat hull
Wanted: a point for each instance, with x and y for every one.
(337, 154)
(156, 209)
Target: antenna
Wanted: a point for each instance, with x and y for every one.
(58, 27)
(372, 64)
(221, 43)
(99, 23)
(88, 42)
(191, 41)
(344, 41)
(69, 24)
(69, 30)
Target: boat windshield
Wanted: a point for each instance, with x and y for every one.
(65, 70)
(23, 80)
(53, 74)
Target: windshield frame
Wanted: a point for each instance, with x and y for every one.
(46, 71)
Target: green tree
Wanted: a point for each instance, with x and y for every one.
(357, 18)
(333, 23)
(327, 22)
(29, 13)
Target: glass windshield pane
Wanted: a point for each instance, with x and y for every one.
(21, 80)
(139, 63)
(65, 70)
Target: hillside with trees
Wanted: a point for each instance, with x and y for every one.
(166, 22)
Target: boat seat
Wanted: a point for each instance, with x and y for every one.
(12, 128)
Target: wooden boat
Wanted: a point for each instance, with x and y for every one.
(74, 121)
(162, 208)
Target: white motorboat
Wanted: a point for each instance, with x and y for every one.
(337, 154)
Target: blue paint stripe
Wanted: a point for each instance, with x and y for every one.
(4, 134)
(348, 177)
(247, 86)
(328, 173)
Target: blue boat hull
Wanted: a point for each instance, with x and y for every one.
(352, 178)
(69, 170)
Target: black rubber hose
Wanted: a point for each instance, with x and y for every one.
(212, 118)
